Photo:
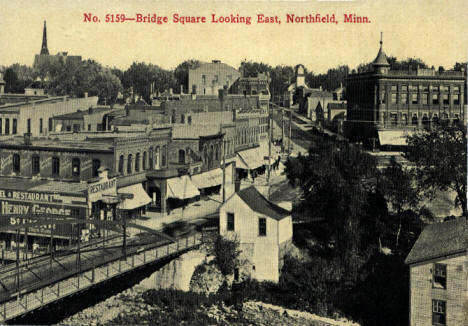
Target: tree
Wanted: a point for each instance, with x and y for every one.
(336, 180)
(181, 74)
(108, 86)
(252, 69)
(439, 156)
(397, 188)
(11, 80)
(226, 253)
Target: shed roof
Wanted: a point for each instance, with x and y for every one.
(258, 203)
(440, 240)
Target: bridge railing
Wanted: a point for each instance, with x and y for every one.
(54, 285)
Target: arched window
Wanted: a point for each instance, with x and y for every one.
(137, 162)
(16, 163)
(121, 164)
(182, 118)
(55, 165)
(205, 154)
(181, 156)
(163, 155)
(217, 152)
(129, 164)
(35, 164)
(414, 120)
(151, 158)
(156, 158)
(211, 156)
(144, 160)
(435, 119)
(96, 166)
(189, 120)
(76, 167)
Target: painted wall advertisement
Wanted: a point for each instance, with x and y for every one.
(20, 207)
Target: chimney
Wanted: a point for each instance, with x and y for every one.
(27, 139)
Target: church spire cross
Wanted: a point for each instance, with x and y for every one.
(44, 49)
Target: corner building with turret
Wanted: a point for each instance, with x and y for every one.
(383, 102)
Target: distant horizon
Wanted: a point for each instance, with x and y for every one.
(433, 32)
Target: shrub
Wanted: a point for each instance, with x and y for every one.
(226, 253)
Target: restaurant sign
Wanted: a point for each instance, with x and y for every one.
(104, 187)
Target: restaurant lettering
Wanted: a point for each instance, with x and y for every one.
(26, 195)
(101, 188)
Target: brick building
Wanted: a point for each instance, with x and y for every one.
(208, 78)
(438, 265)
(386, 99)
(36, 117)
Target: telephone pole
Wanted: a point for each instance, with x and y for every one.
(224, 170)
(290, 128)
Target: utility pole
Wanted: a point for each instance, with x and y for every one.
(224, 170)
(270, 135)
(290, 127)
(282, 130)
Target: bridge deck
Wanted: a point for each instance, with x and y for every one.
(42, 283)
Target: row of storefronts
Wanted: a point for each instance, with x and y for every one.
(110, 196)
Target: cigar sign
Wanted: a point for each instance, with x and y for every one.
(104, 187)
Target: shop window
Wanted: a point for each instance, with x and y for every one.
(414, 120)
(230, 221)
(394, 98)
(444, 89)
(35, 164)
(404, 88)
(262, 231)
(76, 167)
(435, 99)
(16, 163)
(182, 118)
(434, 88)
(15, 127)
(55, 166)
(414, 98)
(50, 124)
(143, 163)
(96, 166)
(439, 312)
(440, 276)
(121, 164)
(456, 99)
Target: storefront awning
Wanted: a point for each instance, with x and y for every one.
(393, 137)
(250, 159)
(182, 188)
(140, 197)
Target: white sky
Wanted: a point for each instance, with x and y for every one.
(434, 30)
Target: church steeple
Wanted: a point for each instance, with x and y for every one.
(44, 49)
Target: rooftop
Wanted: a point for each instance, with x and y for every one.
(87, 144)
(258, 203)
(81, 113)
(50, 186)
(440, 240)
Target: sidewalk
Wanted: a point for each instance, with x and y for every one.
(206, 206)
